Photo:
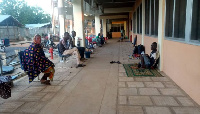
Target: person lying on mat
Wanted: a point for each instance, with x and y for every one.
(149, 61)
(35, 62)
(66, 48)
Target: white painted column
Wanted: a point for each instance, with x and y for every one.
(143, 21)
(79, 21)
(161, 24)
(97, 24)
(61, 14)
(104, 28)
(71, 27)
(53, 19)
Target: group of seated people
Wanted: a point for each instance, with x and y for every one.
(33, 59)
(146, 61)
(149, 61)
(99, 40)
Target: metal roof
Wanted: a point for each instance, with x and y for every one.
(37, 25)
(8, 20)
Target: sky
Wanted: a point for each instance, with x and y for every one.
(44, 4)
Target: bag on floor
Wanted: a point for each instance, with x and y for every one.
(135, 50)
(140, 49)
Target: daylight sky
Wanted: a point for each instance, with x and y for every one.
(44, 4)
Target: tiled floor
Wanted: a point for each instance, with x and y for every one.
(99, 88)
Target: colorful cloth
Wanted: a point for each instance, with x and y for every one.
(51, 72)
(34, 61)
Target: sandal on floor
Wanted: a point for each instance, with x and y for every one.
(47, 82)
(112, 62)
(118, 62)
(80, 65)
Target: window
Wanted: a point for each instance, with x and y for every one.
(131, 24)
(147, 12)
(134, 22)
(139, 19)
(175, 18)
(169, 18)
(156, 16)
(180, 17)
(117, 27)
(151, 17)
(195, 33)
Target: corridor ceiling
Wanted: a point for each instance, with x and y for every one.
(114, 4)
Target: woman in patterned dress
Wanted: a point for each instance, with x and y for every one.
(35, 62)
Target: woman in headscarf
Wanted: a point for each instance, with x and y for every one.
(35, 62)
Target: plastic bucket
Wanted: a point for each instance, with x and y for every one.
(87, 54)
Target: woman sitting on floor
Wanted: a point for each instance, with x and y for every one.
(35, 62)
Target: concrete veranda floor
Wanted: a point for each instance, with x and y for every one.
(99, 88)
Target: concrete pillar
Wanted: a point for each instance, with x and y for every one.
(78, 22)
(53, 19)
(97, 24)
(61, 16)
(104, 28)
(161, 24)
(125, 28)
(71, 26)
(143, 21)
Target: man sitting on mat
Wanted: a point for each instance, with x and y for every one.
(149, 61)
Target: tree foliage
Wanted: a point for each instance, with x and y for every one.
(23, 13)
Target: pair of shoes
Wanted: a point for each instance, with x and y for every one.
(112, 62)
(80, 65)
(115, 62)
(47, 82)
(118, 62)
(82, 59)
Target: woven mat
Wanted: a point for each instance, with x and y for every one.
(132, 71)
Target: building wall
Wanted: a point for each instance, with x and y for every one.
(139, 39)
(182, 64)
(147, 43)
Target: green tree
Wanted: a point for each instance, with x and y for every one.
(23, 13)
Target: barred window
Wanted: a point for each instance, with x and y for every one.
(175, 18)
(195, 33)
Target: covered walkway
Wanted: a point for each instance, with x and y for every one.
(100, 88)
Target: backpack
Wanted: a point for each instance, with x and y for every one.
(135, 50)
(140, 49)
